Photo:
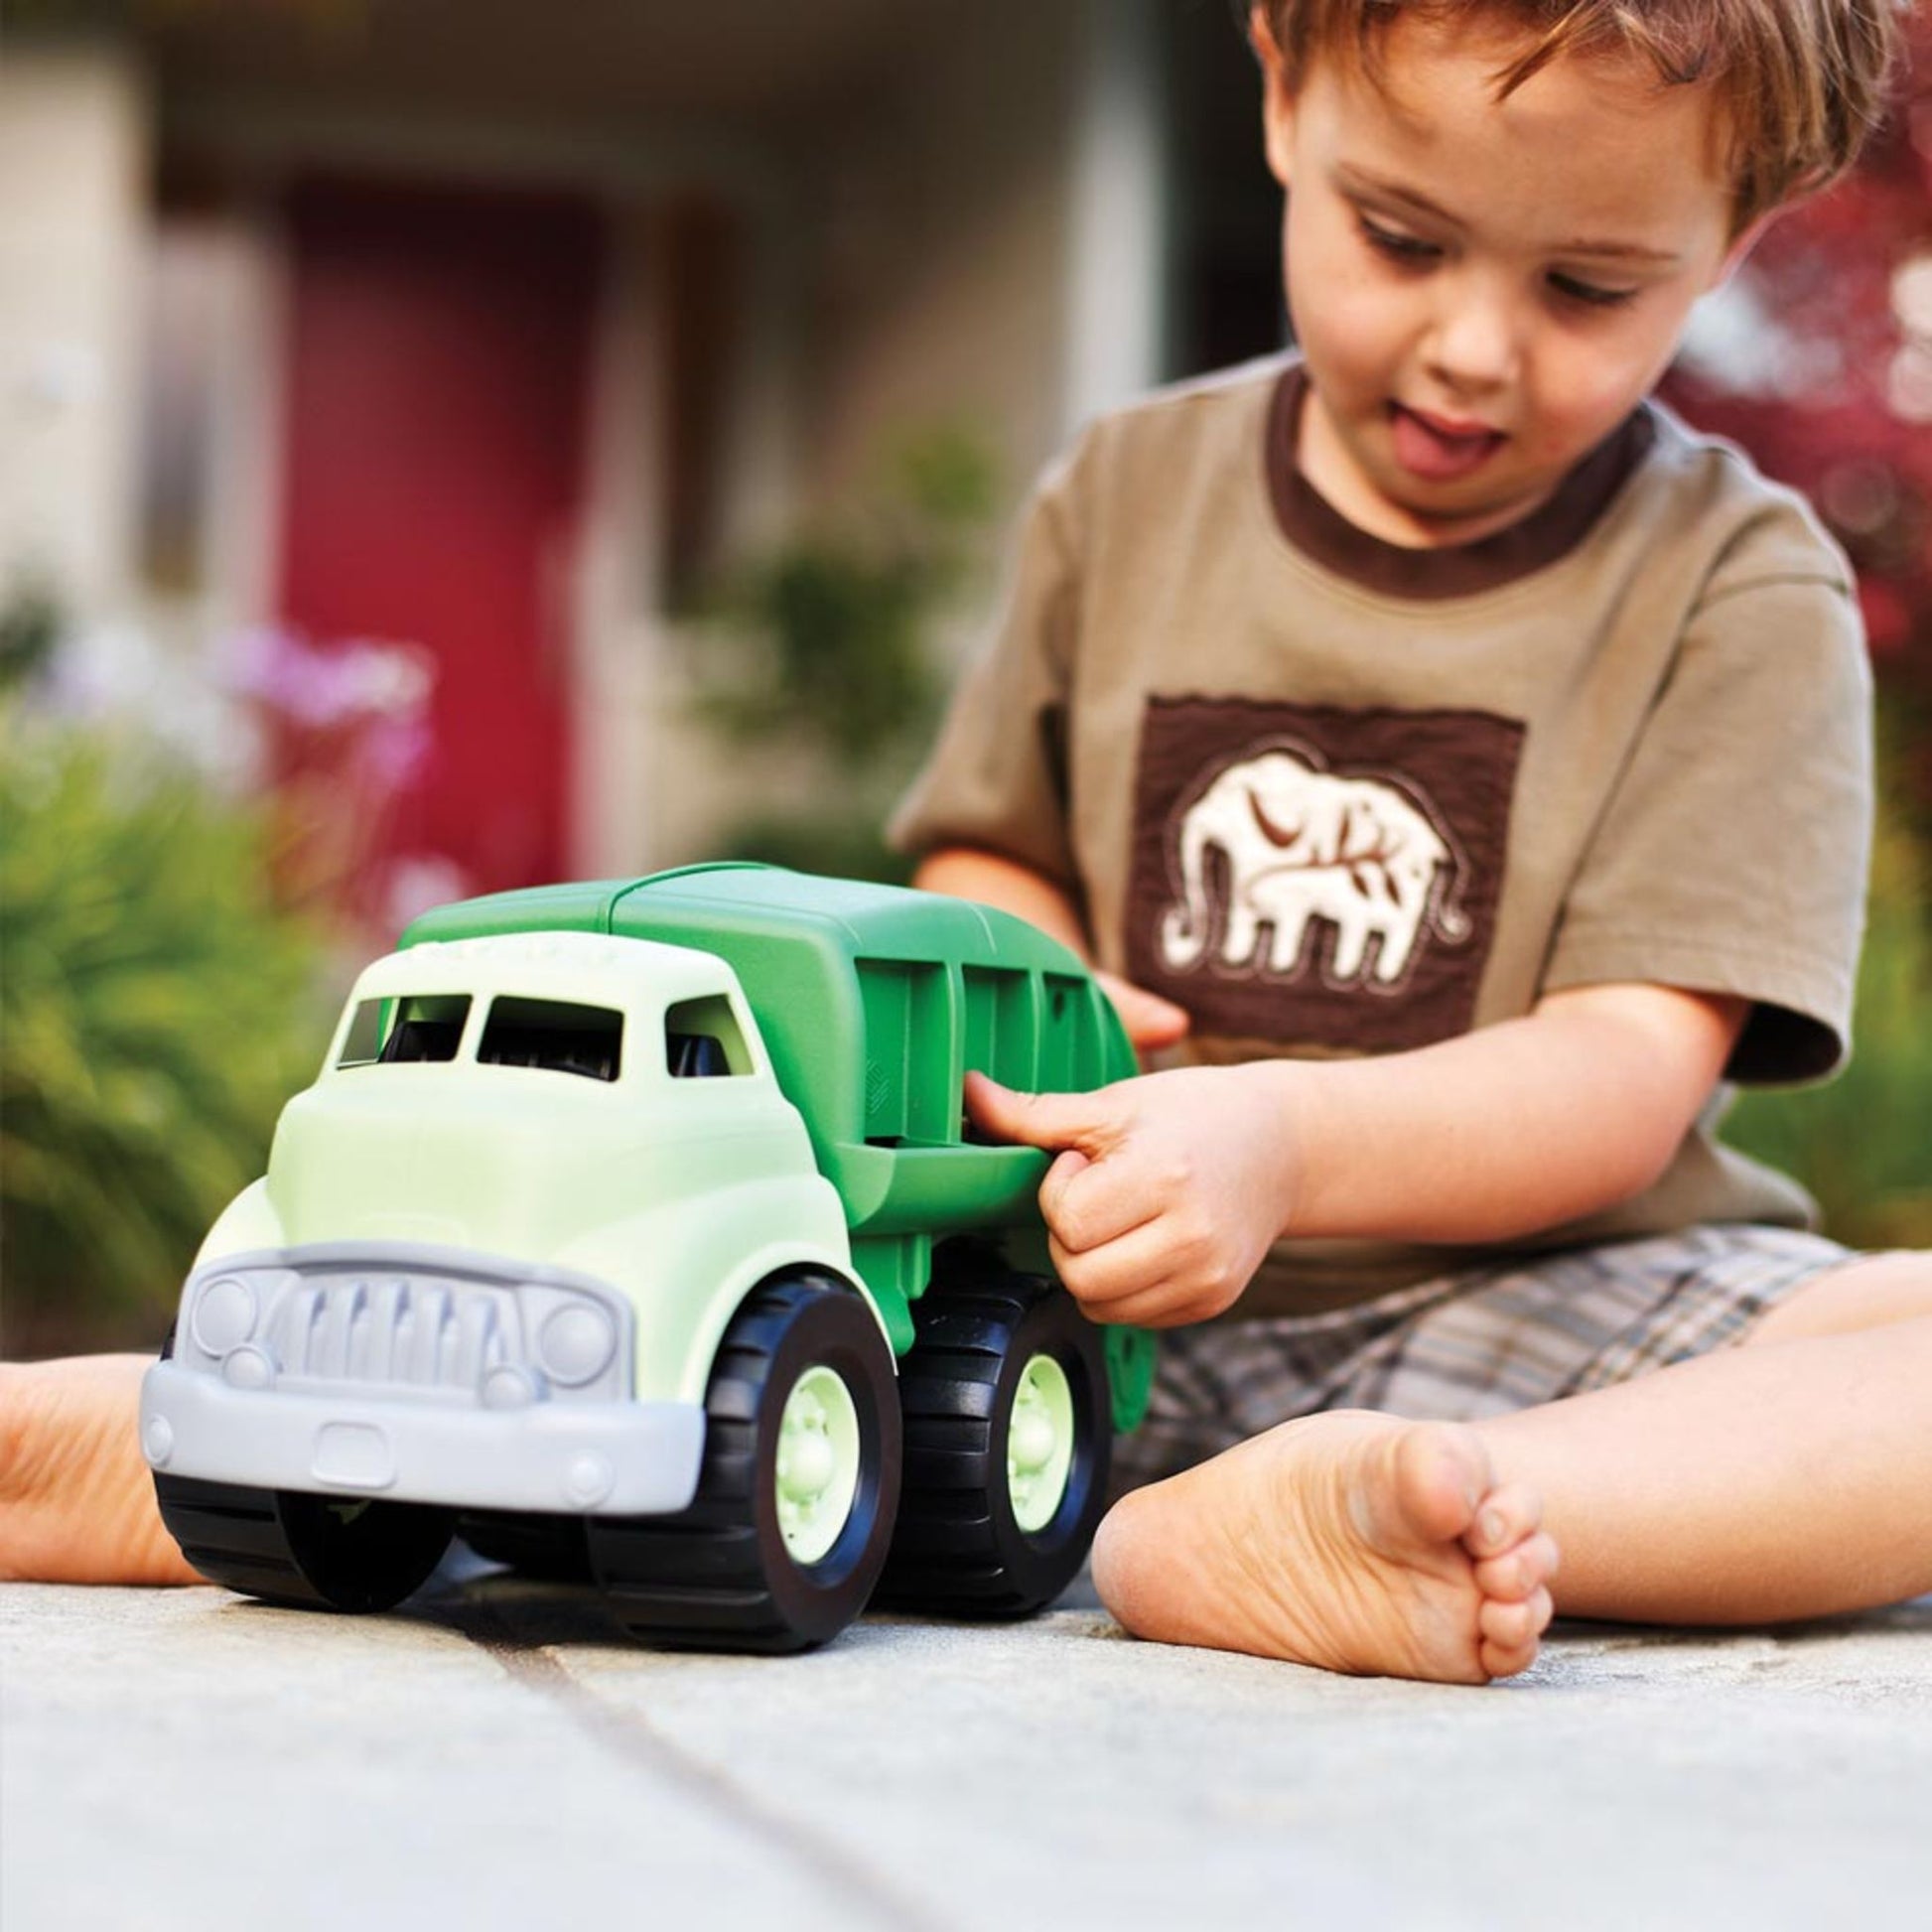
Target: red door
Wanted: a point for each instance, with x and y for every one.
(437, 377)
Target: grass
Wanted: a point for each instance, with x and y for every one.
(1862, 1144)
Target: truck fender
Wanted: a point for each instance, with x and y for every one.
(781, 1258)
(248, 1223)
(686, 1265)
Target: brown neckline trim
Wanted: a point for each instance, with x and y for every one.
(1315, 527)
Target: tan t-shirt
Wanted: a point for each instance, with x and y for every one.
(1339, 797)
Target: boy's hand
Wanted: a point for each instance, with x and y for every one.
(1151, 1022)
(1168, 1189)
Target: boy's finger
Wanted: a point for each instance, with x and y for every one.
(1053, 1185)
(1104, 1278)
(1143, 1301)
(1142, 1249)
(1151, 1022)
(1087, 1204)
(1045, 1120)
(1162, 1304)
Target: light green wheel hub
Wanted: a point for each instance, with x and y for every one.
(818, 1462)
(1040, 1443)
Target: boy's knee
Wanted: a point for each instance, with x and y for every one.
(1874, 1291)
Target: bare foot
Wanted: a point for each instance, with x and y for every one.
(76, 1500)
(1358, 1542)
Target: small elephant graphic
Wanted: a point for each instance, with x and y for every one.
(1301, 845)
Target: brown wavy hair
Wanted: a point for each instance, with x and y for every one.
(1799, 83)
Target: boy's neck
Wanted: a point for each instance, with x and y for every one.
(1525, 544)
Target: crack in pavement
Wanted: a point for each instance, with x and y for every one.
(632, 1737)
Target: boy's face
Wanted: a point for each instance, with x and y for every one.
(1483, 289)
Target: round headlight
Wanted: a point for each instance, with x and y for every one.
(575, 1343)
(224, 1315)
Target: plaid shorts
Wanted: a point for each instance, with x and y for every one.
(1481, 1341)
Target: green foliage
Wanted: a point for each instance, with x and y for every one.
(840, 842)
(825, 645)
(155, 1011)
(30, 625)
(1864, 1144)
(831, 636)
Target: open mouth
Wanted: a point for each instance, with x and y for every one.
(1436, 449)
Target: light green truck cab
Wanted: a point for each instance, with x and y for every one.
(597, 1238)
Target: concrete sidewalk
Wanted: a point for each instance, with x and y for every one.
(495, 1755)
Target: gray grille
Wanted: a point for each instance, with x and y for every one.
(437, 1324)
(395, 1330)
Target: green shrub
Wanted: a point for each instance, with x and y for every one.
(155, 1010)
(826, 642)
(1864, 1144)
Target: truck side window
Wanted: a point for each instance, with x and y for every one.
(557, 1035)
(415, 1028)
(702, 1041)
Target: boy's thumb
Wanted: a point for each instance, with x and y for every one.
(1045, 1120)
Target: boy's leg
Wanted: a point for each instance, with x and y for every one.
(1790, 1478)
(1488, 1340)
(1752, 1485)
(1864, 1293)
(76, 1500)
(1483, 1342)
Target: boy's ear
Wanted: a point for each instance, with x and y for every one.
(1739, 248)
(1277, 96)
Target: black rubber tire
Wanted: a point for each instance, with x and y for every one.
(718, 1574)
(959, 1550)
(550, 1547)
(319, 1553)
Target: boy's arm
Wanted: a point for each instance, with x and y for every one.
(962, 872)
(989, 879)
(1169, 1189)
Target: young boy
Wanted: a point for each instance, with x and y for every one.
(1465, 768)
(1473, 765)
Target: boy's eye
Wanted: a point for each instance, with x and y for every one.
(1397, 245)
(1591, 294)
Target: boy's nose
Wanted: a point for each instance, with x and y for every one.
(1472, 343)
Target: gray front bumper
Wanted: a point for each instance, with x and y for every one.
(419, 1373)
(615, 1458)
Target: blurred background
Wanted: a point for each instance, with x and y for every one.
(452, 444)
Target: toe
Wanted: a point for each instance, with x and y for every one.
(1508, 1515)
(1439, 1472)
(1509, 1634)
(1517, 1573)
(1506, 1660)
(1511, 1627)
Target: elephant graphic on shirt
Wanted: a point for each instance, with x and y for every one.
(1302, 844)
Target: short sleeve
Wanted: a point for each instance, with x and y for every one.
(1732, 854)
(997, 776)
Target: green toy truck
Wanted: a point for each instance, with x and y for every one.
(633, 1232)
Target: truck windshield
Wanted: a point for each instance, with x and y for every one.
(560, 1035)
(555, 1034)
(413, 1028)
